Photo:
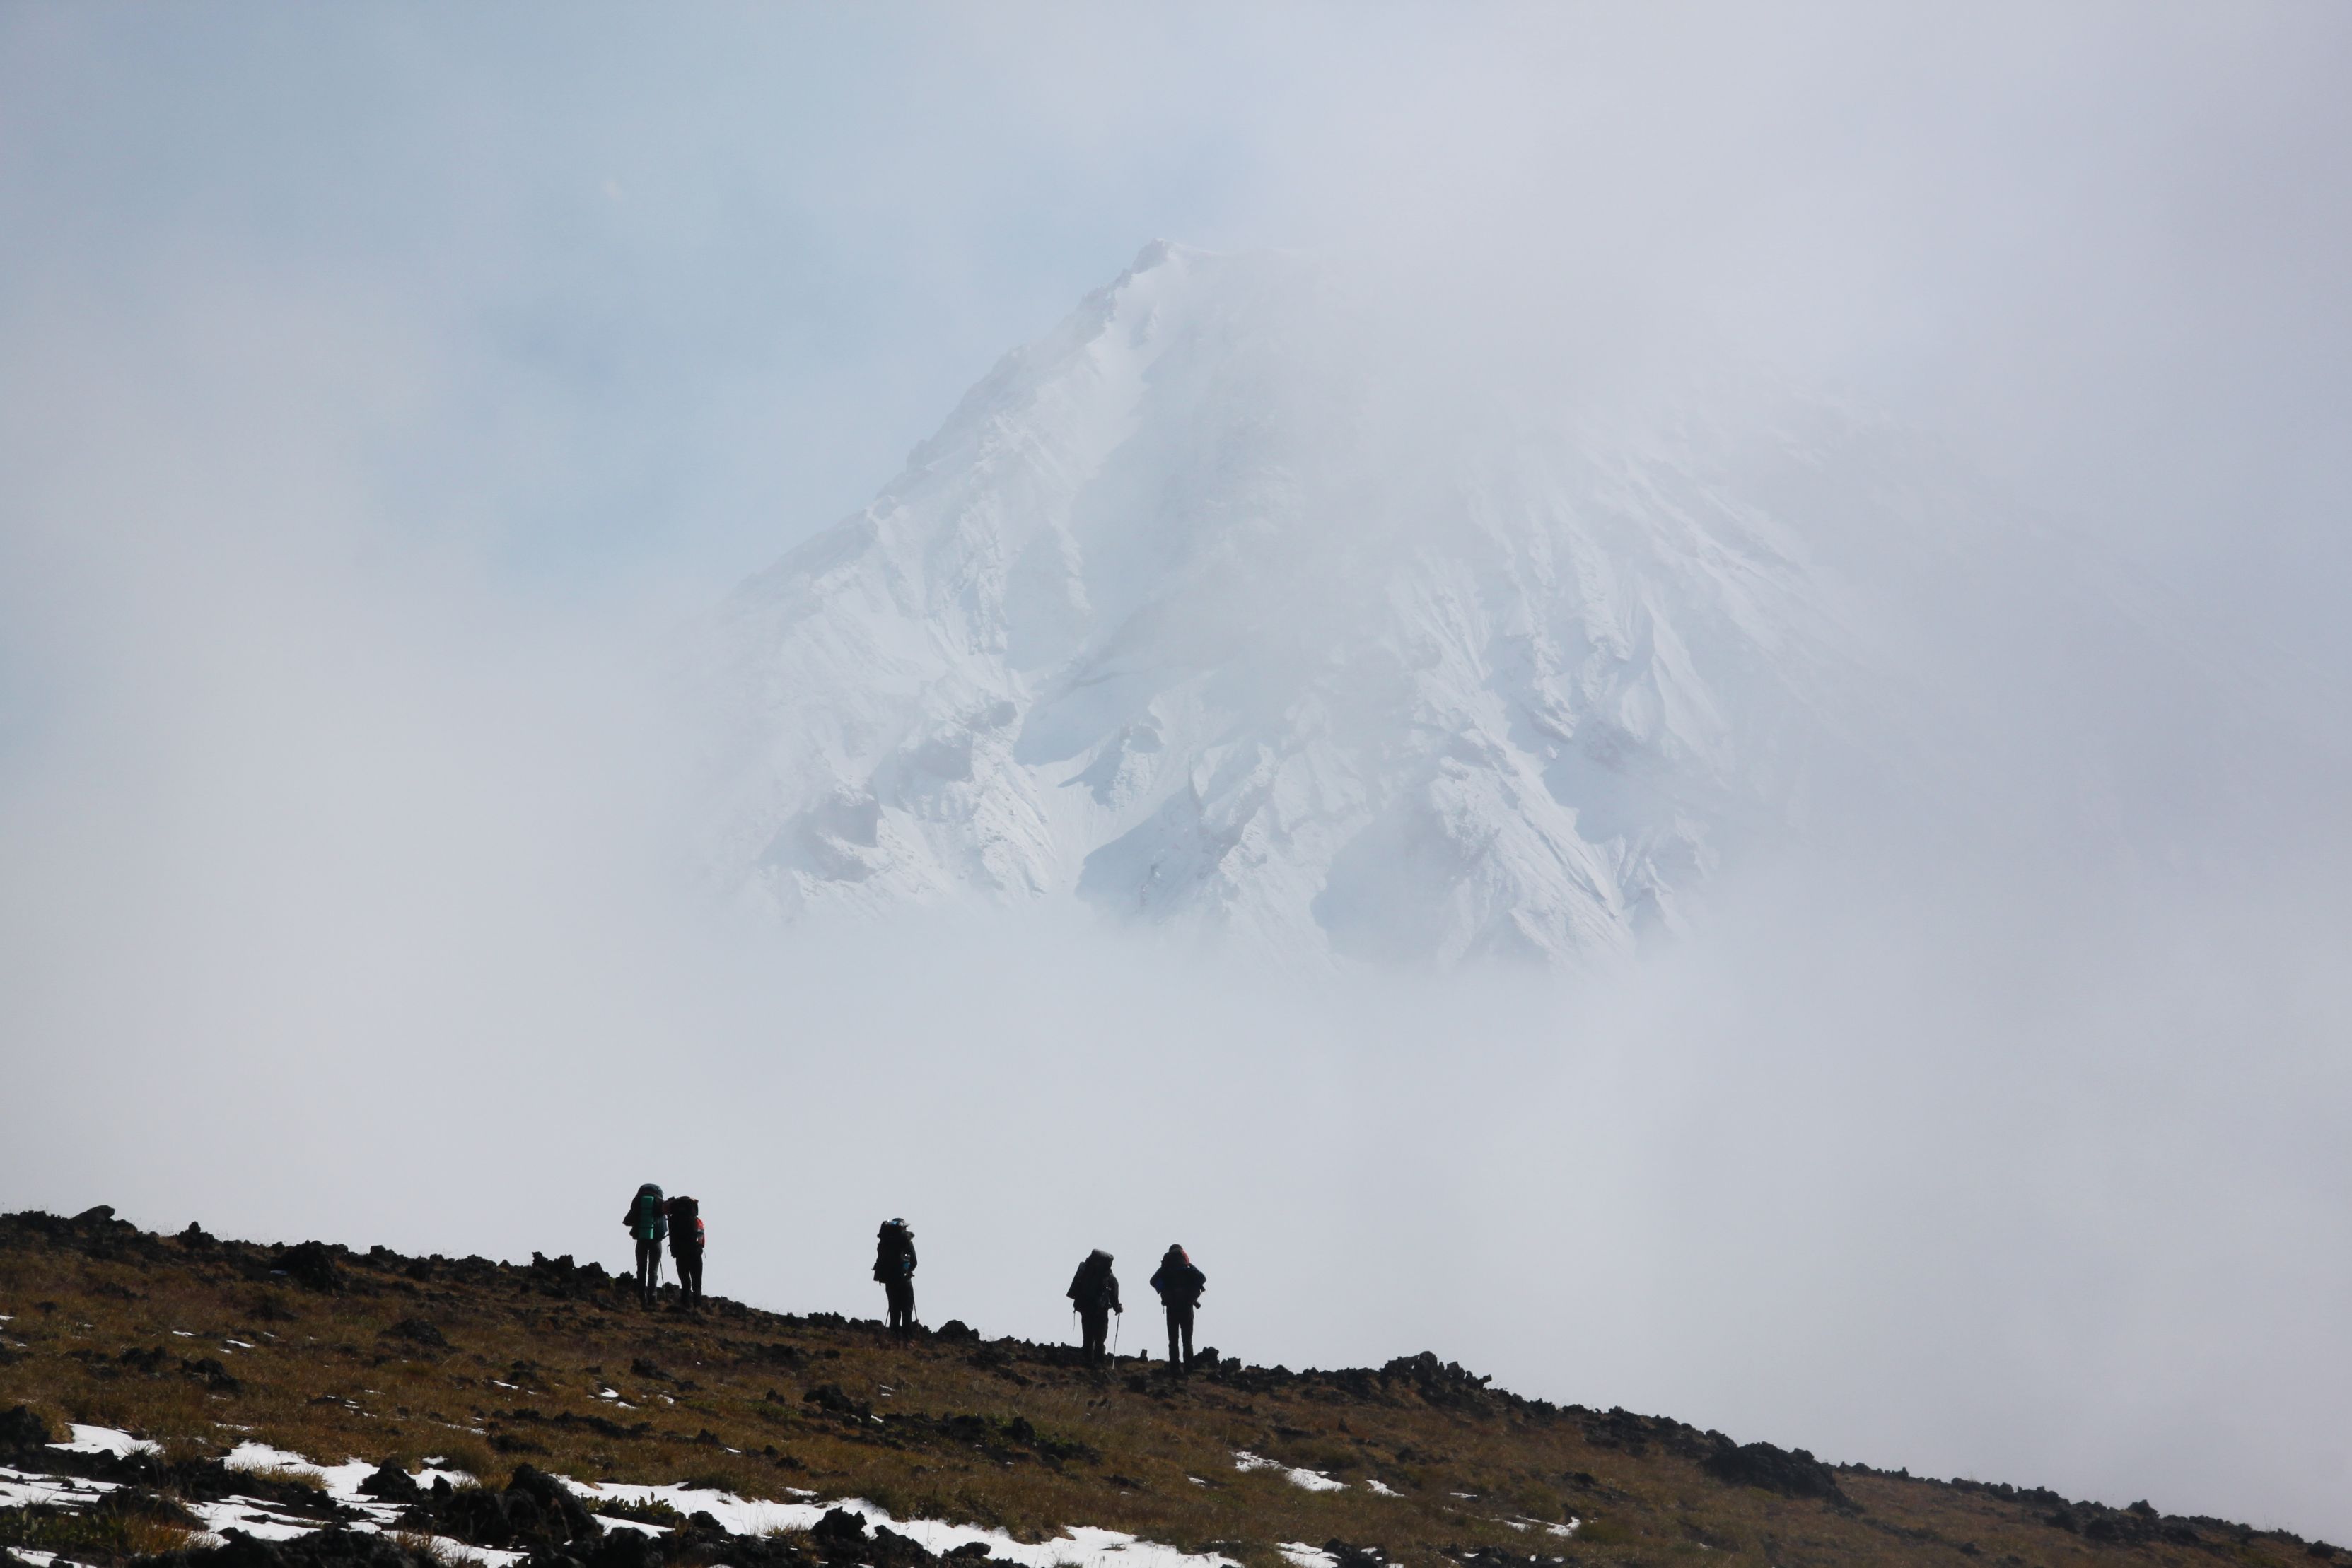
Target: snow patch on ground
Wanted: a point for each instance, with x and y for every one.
(1298, 1554)
(340, 1482)
(1080, 1546)
(18, 1488)
(1307, 1480)
(107, 1440)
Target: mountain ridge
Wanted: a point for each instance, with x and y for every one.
(1175, 617)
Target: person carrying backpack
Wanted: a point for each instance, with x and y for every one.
(1179, 1286)
(686, 1239)
(894, 1267)
(1094, 1290)
(645, 1220)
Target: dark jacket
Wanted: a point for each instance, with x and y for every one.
(685, 1226)
(1094, 1288)
(894, 1254)
(644, 1216)
(1179, 1283)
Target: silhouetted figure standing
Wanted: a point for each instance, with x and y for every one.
(646, 1221)
(686, 1238)
(894, 1266)
(1179, 1286)
(1094, 1290)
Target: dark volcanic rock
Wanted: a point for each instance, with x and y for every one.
(535, 1510)
(829, 1398)
(1792, 1473)
(841, 1538)
(311, 1266)
(22, 1433)
(416, 1331)
(321, 1549)
(839, 1535)
(626, 1548)
(212, 1375)
(393, 1484)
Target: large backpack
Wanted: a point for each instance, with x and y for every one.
(685, 1221)
(1087, 1284)
(651, 1224)
(894, 1252)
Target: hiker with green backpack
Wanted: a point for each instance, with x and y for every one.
(647, 1220)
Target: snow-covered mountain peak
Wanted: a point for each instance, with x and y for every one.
(1200, 609)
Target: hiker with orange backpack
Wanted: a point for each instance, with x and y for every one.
(894, 1267)
(685, 1239)
(645, 1220)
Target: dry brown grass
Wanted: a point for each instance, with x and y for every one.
(325, 1379)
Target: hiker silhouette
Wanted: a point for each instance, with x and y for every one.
(1179, 1286)
(686, 1240)
(1094, 1290)
(645, 1220)
(894, 1266)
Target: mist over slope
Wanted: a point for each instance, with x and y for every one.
(1234, 606)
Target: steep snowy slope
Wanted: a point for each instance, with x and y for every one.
(1207, 610)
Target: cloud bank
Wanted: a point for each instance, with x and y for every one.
(376, 401)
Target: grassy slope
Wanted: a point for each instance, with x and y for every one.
(334, 1375)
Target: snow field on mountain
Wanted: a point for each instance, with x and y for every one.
(1193, 615)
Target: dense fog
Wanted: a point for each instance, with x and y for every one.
(384, 401)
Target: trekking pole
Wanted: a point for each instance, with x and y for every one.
(1117, 1322)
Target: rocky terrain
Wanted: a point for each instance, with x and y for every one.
(196, 1400)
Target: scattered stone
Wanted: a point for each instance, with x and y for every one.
(1790, 1472)
(535, 1510)
(212, 1375)
(22, 1432)
(320, 1548)
(840, 1535)
(416, 1331)
(312, 1266)
(829, 1398)
(393, 1484)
